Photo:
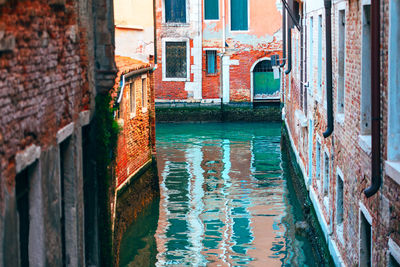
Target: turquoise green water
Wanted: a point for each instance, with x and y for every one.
(224, 201)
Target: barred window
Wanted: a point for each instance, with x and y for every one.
(211, 57)
(175, 54)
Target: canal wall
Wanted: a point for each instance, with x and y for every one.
(197, 111)
(313, 230)
(139, 191)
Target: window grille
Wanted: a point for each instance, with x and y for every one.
(175, 11)
(176, 66)
(263, 66)
(211, 61)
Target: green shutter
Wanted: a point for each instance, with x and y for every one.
(239, 12)
(211, 10)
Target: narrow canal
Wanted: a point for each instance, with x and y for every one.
(225, 201)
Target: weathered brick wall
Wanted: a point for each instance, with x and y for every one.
(211, 82)
(344, 147)
(240, 75)
(136, 140)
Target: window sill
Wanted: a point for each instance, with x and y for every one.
(144, 110)
(120, 122)
(340, 118)
(339, 232)
(175, 79)
(301, 118)
(392, 169)
(364, 141)
(211, 74)
(326, 204)
(132, 115)
(176, 24)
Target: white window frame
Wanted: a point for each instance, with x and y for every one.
(145, 99)
(186, 23)
(230, 18)
(340, 115)
(164, 58)
(132, 110)
(393, 153)
(339, 225)
(364, 211)
(394, 251)
(204, 12)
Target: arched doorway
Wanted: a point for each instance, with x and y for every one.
(264, 85)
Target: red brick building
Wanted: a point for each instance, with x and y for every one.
(136, 116)
(344, 124)
(53, 62)
(208, 51)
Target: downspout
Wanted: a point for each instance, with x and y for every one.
(289, 56)
(154, 32)
(328, 45)
(283, 37)
(375, 101)
(222, 54)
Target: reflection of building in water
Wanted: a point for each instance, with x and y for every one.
(222, 204)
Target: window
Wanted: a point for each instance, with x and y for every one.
(366, 72)
(393, 262)
(132, 97)
(211, 10)
(211, 61)
(176, 61)
(394, 81)
(365, 241)
(239, 15)
(394, 254)
(318, 161)
(175, 11)
(311, 48)
(319, 55)
(326, 174)
(339, 206)
(275, 60)
(22, 194)
(144, 94)
(341, 61)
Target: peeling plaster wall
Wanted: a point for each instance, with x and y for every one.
(191, 88)
(134, 33)
(234, 62)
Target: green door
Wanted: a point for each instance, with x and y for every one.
(265, 86)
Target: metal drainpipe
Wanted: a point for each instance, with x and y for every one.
(289, 56)
(375, 101)
(328, 45)
(283, 37)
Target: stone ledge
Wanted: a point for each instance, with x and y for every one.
(27, 157)
(364, 141)
(65, 132)
(392, 169)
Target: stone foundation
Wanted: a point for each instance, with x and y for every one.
(182, 111)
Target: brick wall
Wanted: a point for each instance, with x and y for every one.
(136, 140)
(346, 151)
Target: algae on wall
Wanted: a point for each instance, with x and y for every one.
(106, 132)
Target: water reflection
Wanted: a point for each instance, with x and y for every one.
(224, 200)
